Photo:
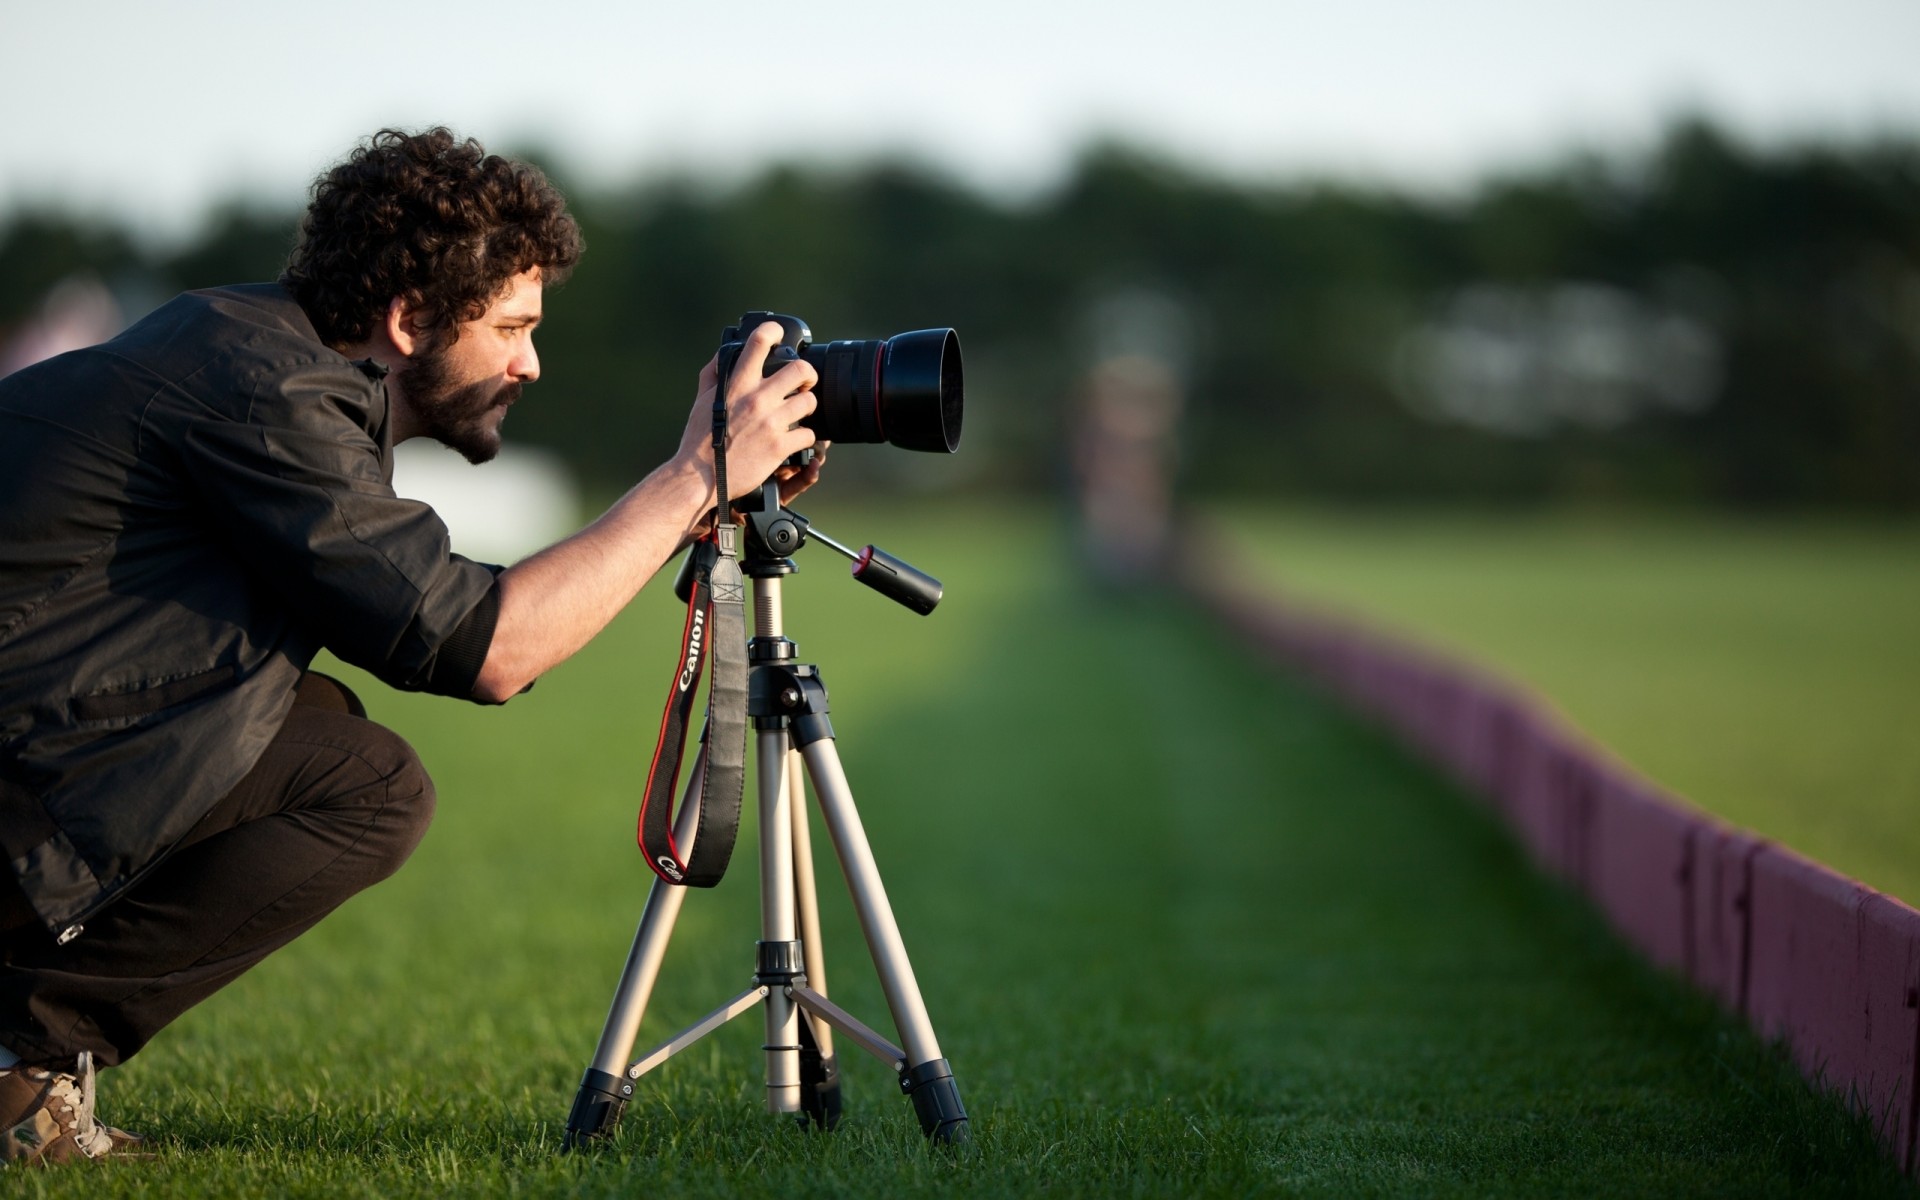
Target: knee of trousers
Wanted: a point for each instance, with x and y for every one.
(407, 799)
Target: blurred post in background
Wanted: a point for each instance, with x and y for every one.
(1124, 433)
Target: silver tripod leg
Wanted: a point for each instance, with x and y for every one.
(925, 1076)
(820, 1101)
(807, 897)
(606, 1087)
(870, 902)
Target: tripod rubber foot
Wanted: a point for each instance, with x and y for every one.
(820, 1097)
(936, 1099)
(819, 1084)
(596, 1108)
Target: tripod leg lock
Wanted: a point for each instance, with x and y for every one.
(597, 1107)
(936, 1100)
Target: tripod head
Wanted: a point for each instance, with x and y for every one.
(774, 533)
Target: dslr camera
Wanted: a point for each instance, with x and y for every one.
(905, 390)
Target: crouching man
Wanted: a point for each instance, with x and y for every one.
(191, 511)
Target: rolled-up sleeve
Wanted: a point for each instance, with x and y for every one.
(298, 491)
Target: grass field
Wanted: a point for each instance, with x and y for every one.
(1768, 672)
(1183, 929)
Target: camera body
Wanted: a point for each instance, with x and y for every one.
(906, 390)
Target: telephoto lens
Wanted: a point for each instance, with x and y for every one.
(906, 390)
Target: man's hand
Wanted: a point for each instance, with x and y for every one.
(763, 417)
(795, 480)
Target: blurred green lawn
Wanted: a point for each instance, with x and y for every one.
(1183, 928)
(1768, 671)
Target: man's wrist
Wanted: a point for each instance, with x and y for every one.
(688, 481)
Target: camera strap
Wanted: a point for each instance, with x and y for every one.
(716, 629)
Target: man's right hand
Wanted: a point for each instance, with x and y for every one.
(763, 414)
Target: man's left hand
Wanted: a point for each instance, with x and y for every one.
(795, 480)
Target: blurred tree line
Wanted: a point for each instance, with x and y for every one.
(1705, 323)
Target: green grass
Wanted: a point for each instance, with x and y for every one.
(1767, 671)
(1183, 929)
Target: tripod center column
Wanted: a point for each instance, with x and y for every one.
(767, 617)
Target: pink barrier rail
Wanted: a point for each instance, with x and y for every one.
(1821, 962)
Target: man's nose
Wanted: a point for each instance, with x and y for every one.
(525, 366)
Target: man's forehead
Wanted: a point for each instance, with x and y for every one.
(522, 297)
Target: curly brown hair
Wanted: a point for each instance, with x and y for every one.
(432, 219)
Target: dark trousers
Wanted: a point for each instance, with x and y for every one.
(335, 805)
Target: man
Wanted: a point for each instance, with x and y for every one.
(190, 511)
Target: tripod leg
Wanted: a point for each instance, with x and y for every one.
(819, 1070)
(779, 937)
(927, 1079)
(605, 1089)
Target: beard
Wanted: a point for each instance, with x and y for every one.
(455, 414)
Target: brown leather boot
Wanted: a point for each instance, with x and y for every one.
(46, 1117)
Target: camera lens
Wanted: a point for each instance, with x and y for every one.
(906, 390)
(920, 390)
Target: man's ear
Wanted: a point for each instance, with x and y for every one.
(403, 328)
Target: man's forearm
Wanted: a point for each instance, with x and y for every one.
(554, 602)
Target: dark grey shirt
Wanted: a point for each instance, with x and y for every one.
(187, 514)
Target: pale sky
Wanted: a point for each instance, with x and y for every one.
(152, 112)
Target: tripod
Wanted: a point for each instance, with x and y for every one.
(793, 742)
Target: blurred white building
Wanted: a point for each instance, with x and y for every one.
(498, 512)
(78, 311)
